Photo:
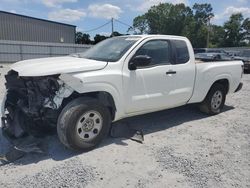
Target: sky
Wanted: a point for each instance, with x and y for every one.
(90, 14)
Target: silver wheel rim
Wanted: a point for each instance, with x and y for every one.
(216, 100)
(89, 125)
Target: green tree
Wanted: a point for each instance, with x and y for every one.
(86, 39)
(203, 13)
(199, 38)
(246, 29)
(78, 38)
(115, 34)
(99, 38)
(176, 19)
(167, 18)
(217, 36)
(140, 25)
(194, 23)
(82, 38)
(233, 31)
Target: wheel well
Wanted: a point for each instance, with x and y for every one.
(223, 82)
(103, 96)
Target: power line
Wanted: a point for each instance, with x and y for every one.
(112, 26)
(94, 29)
(123, 23)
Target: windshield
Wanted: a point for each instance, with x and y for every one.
(110, 49)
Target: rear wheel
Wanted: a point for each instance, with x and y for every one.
(83, 124)
(215, 100)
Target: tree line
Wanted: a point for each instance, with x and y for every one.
(191, 22)
(84, 38)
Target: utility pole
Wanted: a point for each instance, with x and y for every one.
(208, 31)
(112, 26)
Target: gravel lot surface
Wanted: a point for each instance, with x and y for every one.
(182, 148)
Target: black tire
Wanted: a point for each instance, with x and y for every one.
(70, 116)
(207, 107)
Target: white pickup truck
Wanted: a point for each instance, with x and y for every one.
(120, 77)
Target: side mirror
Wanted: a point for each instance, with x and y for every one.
(140, 60)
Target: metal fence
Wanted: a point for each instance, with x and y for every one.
(234, 49)
(13, 51)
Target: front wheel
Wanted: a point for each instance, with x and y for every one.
(215, 100)
(83, 124)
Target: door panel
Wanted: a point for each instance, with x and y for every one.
(147, 89)
(182, 83)
(166, 82)
(183, 80)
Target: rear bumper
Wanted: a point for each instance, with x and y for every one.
(239, 87)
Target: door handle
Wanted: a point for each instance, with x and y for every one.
(171, 72)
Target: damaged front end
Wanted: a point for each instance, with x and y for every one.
(32, 105)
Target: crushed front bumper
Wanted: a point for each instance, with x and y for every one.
(32, 104)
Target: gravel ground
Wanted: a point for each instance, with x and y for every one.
(182, 148)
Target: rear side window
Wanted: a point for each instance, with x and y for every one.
(181, 51)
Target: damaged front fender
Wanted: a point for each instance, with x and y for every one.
(32, 104)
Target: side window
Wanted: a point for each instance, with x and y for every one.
(158, 50)
(181, 50)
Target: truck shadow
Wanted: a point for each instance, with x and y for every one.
(148, 123)
(162, 120)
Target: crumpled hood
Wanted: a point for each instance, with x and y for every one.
(56, 65)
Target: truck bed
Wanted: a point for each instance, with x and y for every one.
(208, 72)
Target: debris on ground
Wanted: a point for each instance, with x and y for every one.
(123, 130)
(22, 146)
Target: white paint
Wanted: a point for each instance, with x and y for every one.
(56, 65)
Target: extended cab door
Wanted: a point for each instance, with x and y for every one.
(184, 67)
(166, 82)
(148, 86)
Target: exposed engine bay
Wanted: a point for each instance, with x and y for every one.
(32, 104)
